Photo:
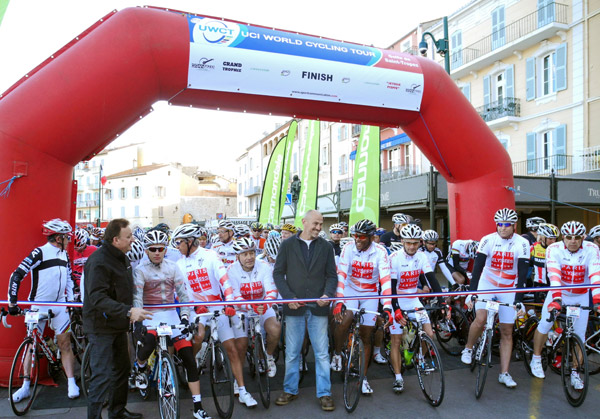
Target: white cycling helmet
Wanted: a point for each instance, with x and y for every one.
(154, 237)
(572, 228)
(550, 231)
(534, 222)
(138, 232)
(227, 225)
(243, 245)
(187, 231)
(594, 232)
(345, 240)
(430, 236)
(401, 218)
(472, 249)
(395, 246)
(137, 251)
(334, 227)
(322, 234)
(242, 230)
(272, 246)
(506, 215)
(411, 231)
(81, 238)
(56, 226)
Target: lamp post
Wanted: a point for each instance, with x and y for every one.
(442, 46)
(100, 198)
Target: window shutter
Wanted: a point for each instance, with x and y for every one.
(530, 79)
(560, 147)
(531, 152)
(486, 91)
(510, 81)
(466, 89)
(560, 70)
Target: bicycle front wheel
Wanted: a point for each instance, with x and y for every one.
(354, 372)
(483, 361)
(527, 332)
(430, 371)
(25, 366)
(452, 334)
(574, 370)
(168, 388)
(262, 371)
(86, 371)
(221, 380)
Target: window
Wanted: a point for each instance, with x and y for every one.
(122, 193)
(108, 194)
(325, 187)
(342, 132)
(405, 46)
(136, 211)
(109, 213)
(136, 192)
(456, 49)
(546, 149)
(122, 212)
(499, 88)
(407, 155)
(239, 188)
(96, 197)
(87, 198)
(545, 12)
(546, 73)
(325, 155)
(226, 201)
(161, 191)
(498, 27)
(466, 90)
(161, 211)
(393, 158)
(79, 199)
(295, 162)
(251, 163)
(80, 214)
(343, 165)
(239, 207)
(355, 130)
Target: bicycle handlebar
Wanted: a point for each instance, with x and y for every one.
(181, 327)
(3, 314)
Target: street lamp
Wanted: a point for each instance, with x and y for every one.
(441, 45)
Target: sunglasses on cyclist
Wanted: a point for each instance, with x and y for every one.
(361, 236)
(504, 224)
(337, 232)
(574, 237)
(156, 249)
(256, 229)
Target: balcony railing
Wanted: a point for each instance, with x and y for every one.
(561, 164)
(397, 172)
(552, 13)
(590, 159)
(253, 190)
(508, 106)
(87, 204)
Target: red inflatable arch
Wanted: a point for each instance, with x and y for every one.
(76, 102)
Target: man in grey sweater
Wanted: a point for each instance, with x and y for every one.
(305, 268)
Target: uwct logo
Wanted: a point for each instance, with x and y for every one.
(204, 64)
(414, 89)
(214, 32)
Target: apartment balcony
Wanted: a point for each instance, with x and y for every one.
(560, 164)
(393, 173)
(526, 32)
(87, 204)
(251, 191)
(501, 113)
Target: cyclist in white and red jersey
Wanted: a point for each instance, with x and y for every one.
(570, 262)
(271, 250)
(207, 278)
(155, 282)
(363, 269)
(83, 250)
(434, 254)
(259, 241)
(50, 281)
(502, 262)
(407, 265)
(253, 280)
(224, 247)
(460, 255)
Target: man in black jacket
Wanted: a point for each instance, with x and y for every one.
(305, 268)
(107, 311)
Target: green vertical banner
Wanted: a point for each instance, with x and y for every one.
(307, 199)
(289, 148)
(3, 7)
(365, 185)
(271, 190)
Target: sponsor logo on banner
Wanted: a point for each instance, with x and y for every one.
(393, 85)
(285, 73)
(264, 70)
(232, 66)
(414, 89)
(204, 64)
(310, 75)
(214, 32)
(346, 80)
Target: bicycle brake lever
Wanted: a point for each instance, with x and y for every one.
(4, 322)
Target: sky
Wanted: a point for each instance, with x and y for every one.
(32, 30)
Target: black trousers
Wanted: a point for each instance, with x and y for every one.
(109, 362)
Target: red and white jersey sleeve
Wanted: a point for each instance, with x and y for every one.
(501, 264)
(207, 276)
(565, 268)
(255, 285)
(364, 271)
(225, 252)
(406, 270)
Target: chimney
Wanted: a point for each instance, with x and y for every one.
(140, 156)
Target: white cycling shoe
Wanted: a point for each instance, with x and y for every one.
(507, 380)
(73, 391)
(272, 367)
(537, 369)
(379, 359)
(576, 381)
(366, 388)
(466, 356)
(21, 394)
(247, 399)
(336, 362)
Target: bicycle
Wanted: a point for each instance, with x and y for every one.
(592, 345)
(571, 350)
(221, 377)
(78, 337)
(426, 358)
(257, 357)
(26, 361)
(451, 333)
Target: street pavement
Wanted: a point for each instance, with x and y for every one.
(532, 399)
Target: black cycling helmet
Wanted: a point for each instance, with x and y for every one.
(367, 227)
(162, 227)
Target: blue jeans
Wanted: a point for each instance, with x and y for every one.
(294, 336)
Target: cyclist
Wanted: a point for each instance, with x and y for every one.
(336, 232)
(363, 269)
(434, 254)
(50, 281)
(393, 236)
(531, 224)
(96, 236)
(287, 231)
(207, 277)
(253, 280)
(407, 265)
(547, 234)
(344, 226)
(268, 227)
(378, 233)
(502, 262)
(271, 250)
(241, 230)
(82, 251)
(460, 255)
(570, 262)
(136, 254)
(224, 247)
(259, 241)
(594, 235)
(156, 282)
